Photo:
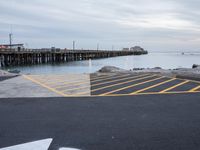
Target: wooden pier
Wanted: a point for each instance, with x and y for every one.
(39, 56)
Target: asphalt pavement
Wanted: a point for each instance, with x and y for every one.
(139, 122)
(2, 78)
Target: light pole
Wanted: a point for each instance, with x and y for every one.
(10, 40)
(112, 47)
(97, 46)
(74, 45)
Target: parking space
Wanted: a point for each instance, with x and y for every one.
(137, 84)
(114, 84)
(64, 85)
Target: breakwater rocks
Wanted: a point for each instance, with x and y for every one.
(8, 74)
(111, 69)
(196, 66)
(185, 73)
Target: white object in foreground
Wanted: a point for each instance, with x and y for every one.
(37, 145)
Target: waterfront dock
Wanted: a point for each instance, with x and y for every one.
(40, 56)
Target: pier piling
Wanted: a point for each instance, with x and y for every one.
(39, 56)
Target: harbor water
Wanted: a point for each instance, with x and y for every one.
(163, 60)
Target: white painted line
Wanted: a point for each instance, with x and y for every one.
(37, 145)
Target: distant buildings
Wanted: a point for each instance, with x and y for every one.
(125, 49)
(3, 47)
(137, 49)
(134, 49)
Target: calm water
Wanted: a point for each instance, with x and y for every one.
(164, 60)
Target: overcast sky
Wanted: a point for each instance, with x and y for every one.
(156, 25)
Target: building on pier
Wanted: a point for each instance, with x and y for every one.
(13, 47)
(125, 49)
(137, 49)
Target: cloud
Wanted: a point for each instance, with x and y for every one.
(153, 24)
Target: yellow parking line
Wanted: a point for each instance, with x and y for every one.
(112, 77)
(121, 83)
(49, 76)
(50, 81)
(104, 87)
(43, 85)
(118, 84)
(83, 79)
(132, 85)
(133, 77)
(101, 77)
(179, 92)
(74, 83)
(71, 89)
(194, 81)
(66, 79)
(75, 79)
(56, 79)
(195, 89)
(79, 83)
(64, 82)
(148, 93)
(177, 85)
(150, 87)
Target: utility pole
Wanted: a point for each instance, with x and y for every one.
(112, 47)
(74, 45)
(10, 37)
(97, 46)
(10, 40)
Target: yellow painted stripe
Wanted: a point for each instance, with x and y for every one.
(43, 85)
(132, 77)
(117, 84)
(72, 89)
(50, 76)
(78, 80)
(66, 83)
(138, 94)
(153, 86)
(126, 87)
(107, 82)
(101, 77)
(67, 79)
(72, 78)
(177, 85)
(121, 83)
(195, 89)
(112, 77)
(49, 81)
(52, 80)
(194, 81)
(148, 93)
(79, 83)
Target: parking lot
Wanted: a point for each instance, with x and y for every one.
(115, 84)
(100, 111)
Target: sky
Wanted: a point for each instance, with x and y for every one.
(155, 25)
